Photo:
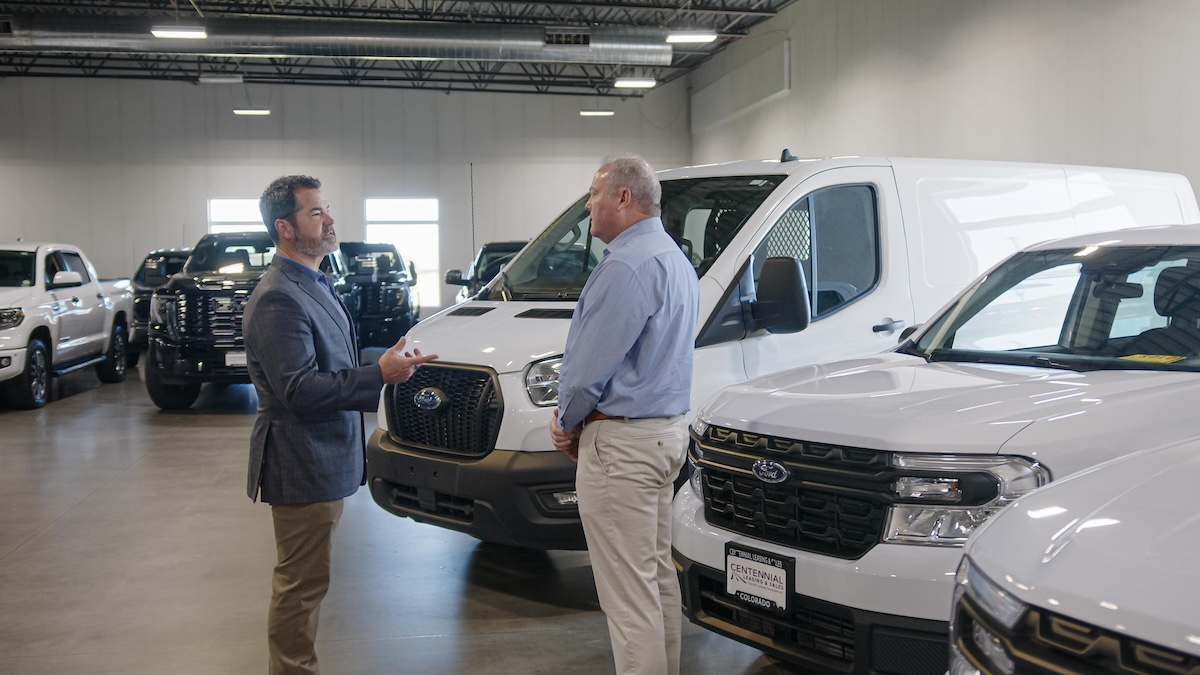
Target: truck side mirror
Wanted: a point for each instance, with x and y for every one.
(782, 305)
(412, 272)
(455, 278)
(64, 279)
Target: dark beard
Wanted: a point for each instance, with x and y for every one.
(315, 247)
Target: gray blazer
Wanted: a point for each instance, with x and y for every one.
(307, 444)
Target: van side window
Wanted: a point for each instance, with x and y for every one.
(834, 233)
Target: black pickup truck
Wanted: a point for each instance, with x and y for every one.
(153, 272)
(380, 292)
(196, 316)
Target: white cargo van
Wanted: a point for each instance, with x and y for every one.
(854, 484)
(1094, 574)
(870, 244)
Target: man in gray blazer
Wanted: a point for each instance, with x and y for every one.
(307, 448)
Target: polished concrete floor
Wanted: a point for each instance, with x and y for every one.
(128, 546)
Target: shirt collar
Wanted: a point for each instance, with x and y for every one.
(315, 275)
(633, 231)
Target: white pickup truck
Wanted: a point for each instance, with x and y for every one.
(56, 317)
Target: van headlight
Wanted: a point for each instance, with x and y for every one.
(542, 382)
(1000, 607)
(941, 499)
(11, 318)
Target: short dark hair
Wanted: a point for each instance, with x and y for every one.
(279, 200)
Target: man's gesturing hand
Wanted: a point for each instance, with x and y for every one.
(398, 365)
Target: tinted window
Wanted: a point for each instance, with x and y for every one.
(16, 268)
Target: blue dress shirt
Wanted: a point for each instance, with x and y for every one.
(630, 347)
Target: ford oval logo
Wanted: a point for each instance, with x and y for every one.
(770, 472)
(429, 399)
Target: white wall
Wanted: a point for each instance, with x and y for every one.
(1106, 82)
(123, 167)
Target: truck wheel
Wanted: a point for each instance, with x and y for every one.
(112, 368)
(170, 396)
(132, 355)
(31, 389)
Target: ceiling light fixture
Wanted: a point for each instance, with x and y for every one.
(635, 83)
(260, 112)
(596, 112)
(220, 78)
(179, 32)
(691, 37)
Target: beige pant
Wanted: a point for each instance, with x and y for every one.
(304, 547)
(625, 485)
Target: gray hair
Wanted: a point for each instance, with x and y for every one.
(636, 174)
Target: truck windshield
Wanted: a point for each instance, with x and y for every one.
(16, 268)
(1116, 308)
(364, 258)
(231, 256)
(701, 214)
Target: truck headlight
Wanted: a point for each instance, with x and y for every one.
(11, 318)
(999, 606)
(163, 313)
(943, 498)
(542, 382)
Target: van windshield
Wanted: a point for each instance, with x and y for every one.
(1091, 308)
(701, 214)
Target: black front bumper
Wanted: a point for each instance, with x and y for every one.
(506, 497)
(195, 362)
(822, 636)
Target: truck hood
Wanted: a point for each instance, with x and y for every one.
(213, 281)
(506, 336)
(901, 403)
(1115, 547)
(15, 297)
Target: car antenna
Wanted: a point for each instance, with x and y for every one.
(787, 156)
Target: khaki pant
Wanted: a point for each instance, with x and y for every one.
(304, 547)
(625, 486)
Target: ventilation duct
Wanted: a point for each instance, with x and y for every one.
(342, 38)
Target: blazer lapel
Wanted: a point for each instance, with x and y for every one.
(333, 307)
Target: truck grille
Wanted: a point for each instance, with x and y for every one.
(834, 501)
(465, 423)
(1045, 642)
(225, 314)
(381, 299)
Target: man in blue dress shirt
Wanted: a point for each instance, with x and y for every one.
(623, 391)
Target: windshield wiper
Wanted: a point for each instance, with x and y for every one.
(1011, 359)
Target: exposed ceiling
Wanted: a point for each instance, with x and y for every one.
(519, 46)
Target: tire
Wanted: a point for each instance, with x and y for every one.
(132, 355)
(31, 389)
(112, 369)
(169, 396)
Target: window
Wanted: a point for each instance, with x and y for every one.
(834, 233)
(411, 226)
(234, 215)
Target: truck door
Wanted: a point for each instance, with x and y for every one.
(93, 315)
(64, 303)
(844, 227)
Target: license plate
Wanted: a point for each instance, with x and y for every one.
(235, 359)
(759, 578)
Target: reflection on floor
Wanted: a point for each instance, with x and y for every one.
(127, 546)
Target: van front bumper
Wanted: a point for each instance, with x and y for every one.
(506, 497)
(886, 612)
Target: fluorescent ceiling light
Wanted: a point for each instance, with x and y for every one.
(691, 37)
(635, 83)
(179, 32)
(596, 112)
(252, 111)
(228, 78)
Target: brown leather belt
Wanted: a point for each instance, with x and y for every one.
(596, 416)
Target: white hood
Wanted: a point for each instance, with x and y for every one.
(498, 337)
(902, 403)
(1116, 547)
(15, 297)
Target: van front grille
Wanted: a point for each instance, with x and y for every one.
(458, 411)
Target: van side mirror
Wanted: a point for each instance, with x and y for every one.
(782, 305)
(65, 279)
(455, 278)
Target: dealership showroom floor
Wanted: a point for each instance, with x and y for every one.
(127, 545)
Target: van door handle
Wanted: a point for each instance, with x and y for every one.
(889, 326)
